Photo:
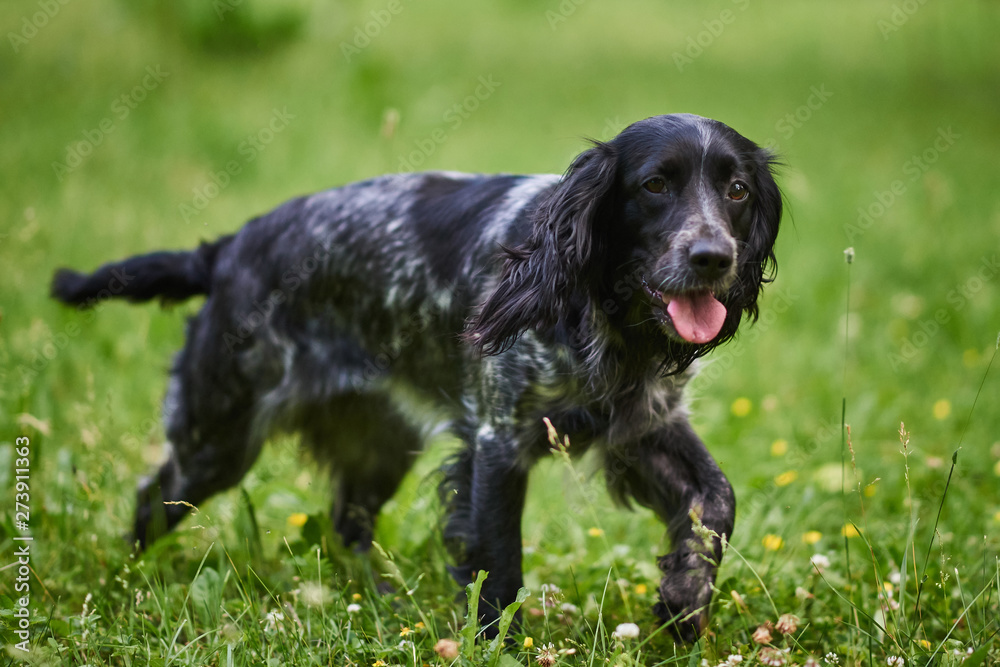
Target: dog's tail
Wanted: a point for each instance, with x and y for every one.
(171, 276)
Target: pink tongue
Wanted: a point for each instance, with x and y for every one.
(698, 318)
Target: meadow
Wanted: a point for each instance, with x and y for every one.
(856, 420)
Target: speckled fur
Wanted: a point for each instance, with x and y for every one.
(498, 300)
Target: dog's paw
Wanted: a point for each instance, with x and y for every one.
(685, 594)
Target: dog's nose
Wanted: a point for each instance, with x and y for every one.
(710, 259)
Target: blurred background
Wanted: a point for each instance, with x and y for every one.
(128, 127)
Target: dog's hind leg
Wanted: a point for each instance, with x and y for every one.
(213, 440)
(370, 447)
(200, 464)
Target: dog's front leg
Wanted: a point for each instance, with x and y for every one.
(671, 472)
(499, 484)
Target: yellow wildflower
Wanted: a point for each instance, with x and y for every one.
(942, 409)
(528, 642)
(741, 407)
(812, 536)
(298, 519)
(849, 530)
(640, 589)
(772, 542)
(786, 478)
(595, 532)
(779, 447)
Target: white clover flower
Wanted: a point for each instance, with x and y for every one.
(787, 624)
(353, 608)
(626, 631)
(820, 562)
(313, 594)
(272, 621)
(802, 593)
(895, 661)
(546, 655)
(772, 657)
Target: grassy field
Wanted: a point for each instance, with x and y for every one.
(132, 126)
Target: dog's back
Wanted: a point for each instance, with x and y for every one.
(315, 313)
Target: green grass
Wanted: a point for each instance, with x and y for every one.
(242, 582)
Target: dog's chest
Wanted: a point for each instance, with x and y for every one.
(561, 392)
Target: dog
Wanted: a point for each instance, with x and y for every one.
(497, 301)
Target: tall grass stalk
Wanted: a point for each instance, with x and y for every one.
(951, 471)
(849, 258)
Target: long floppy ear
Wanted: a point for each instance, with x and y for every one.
(757, 263)
(540, 276)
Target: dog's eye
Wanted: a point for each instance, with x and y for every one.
(655, 185)
(738, 191)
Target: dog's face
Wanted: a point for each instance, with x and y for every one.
(695, 217)
(681, 209)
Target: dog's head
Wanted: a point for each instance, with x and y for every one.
(667, 231)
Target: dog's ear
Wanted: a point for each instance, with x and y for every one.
(756, 262)
(540, 276)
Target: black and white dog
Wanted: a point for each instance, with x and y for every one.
(499, 300)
